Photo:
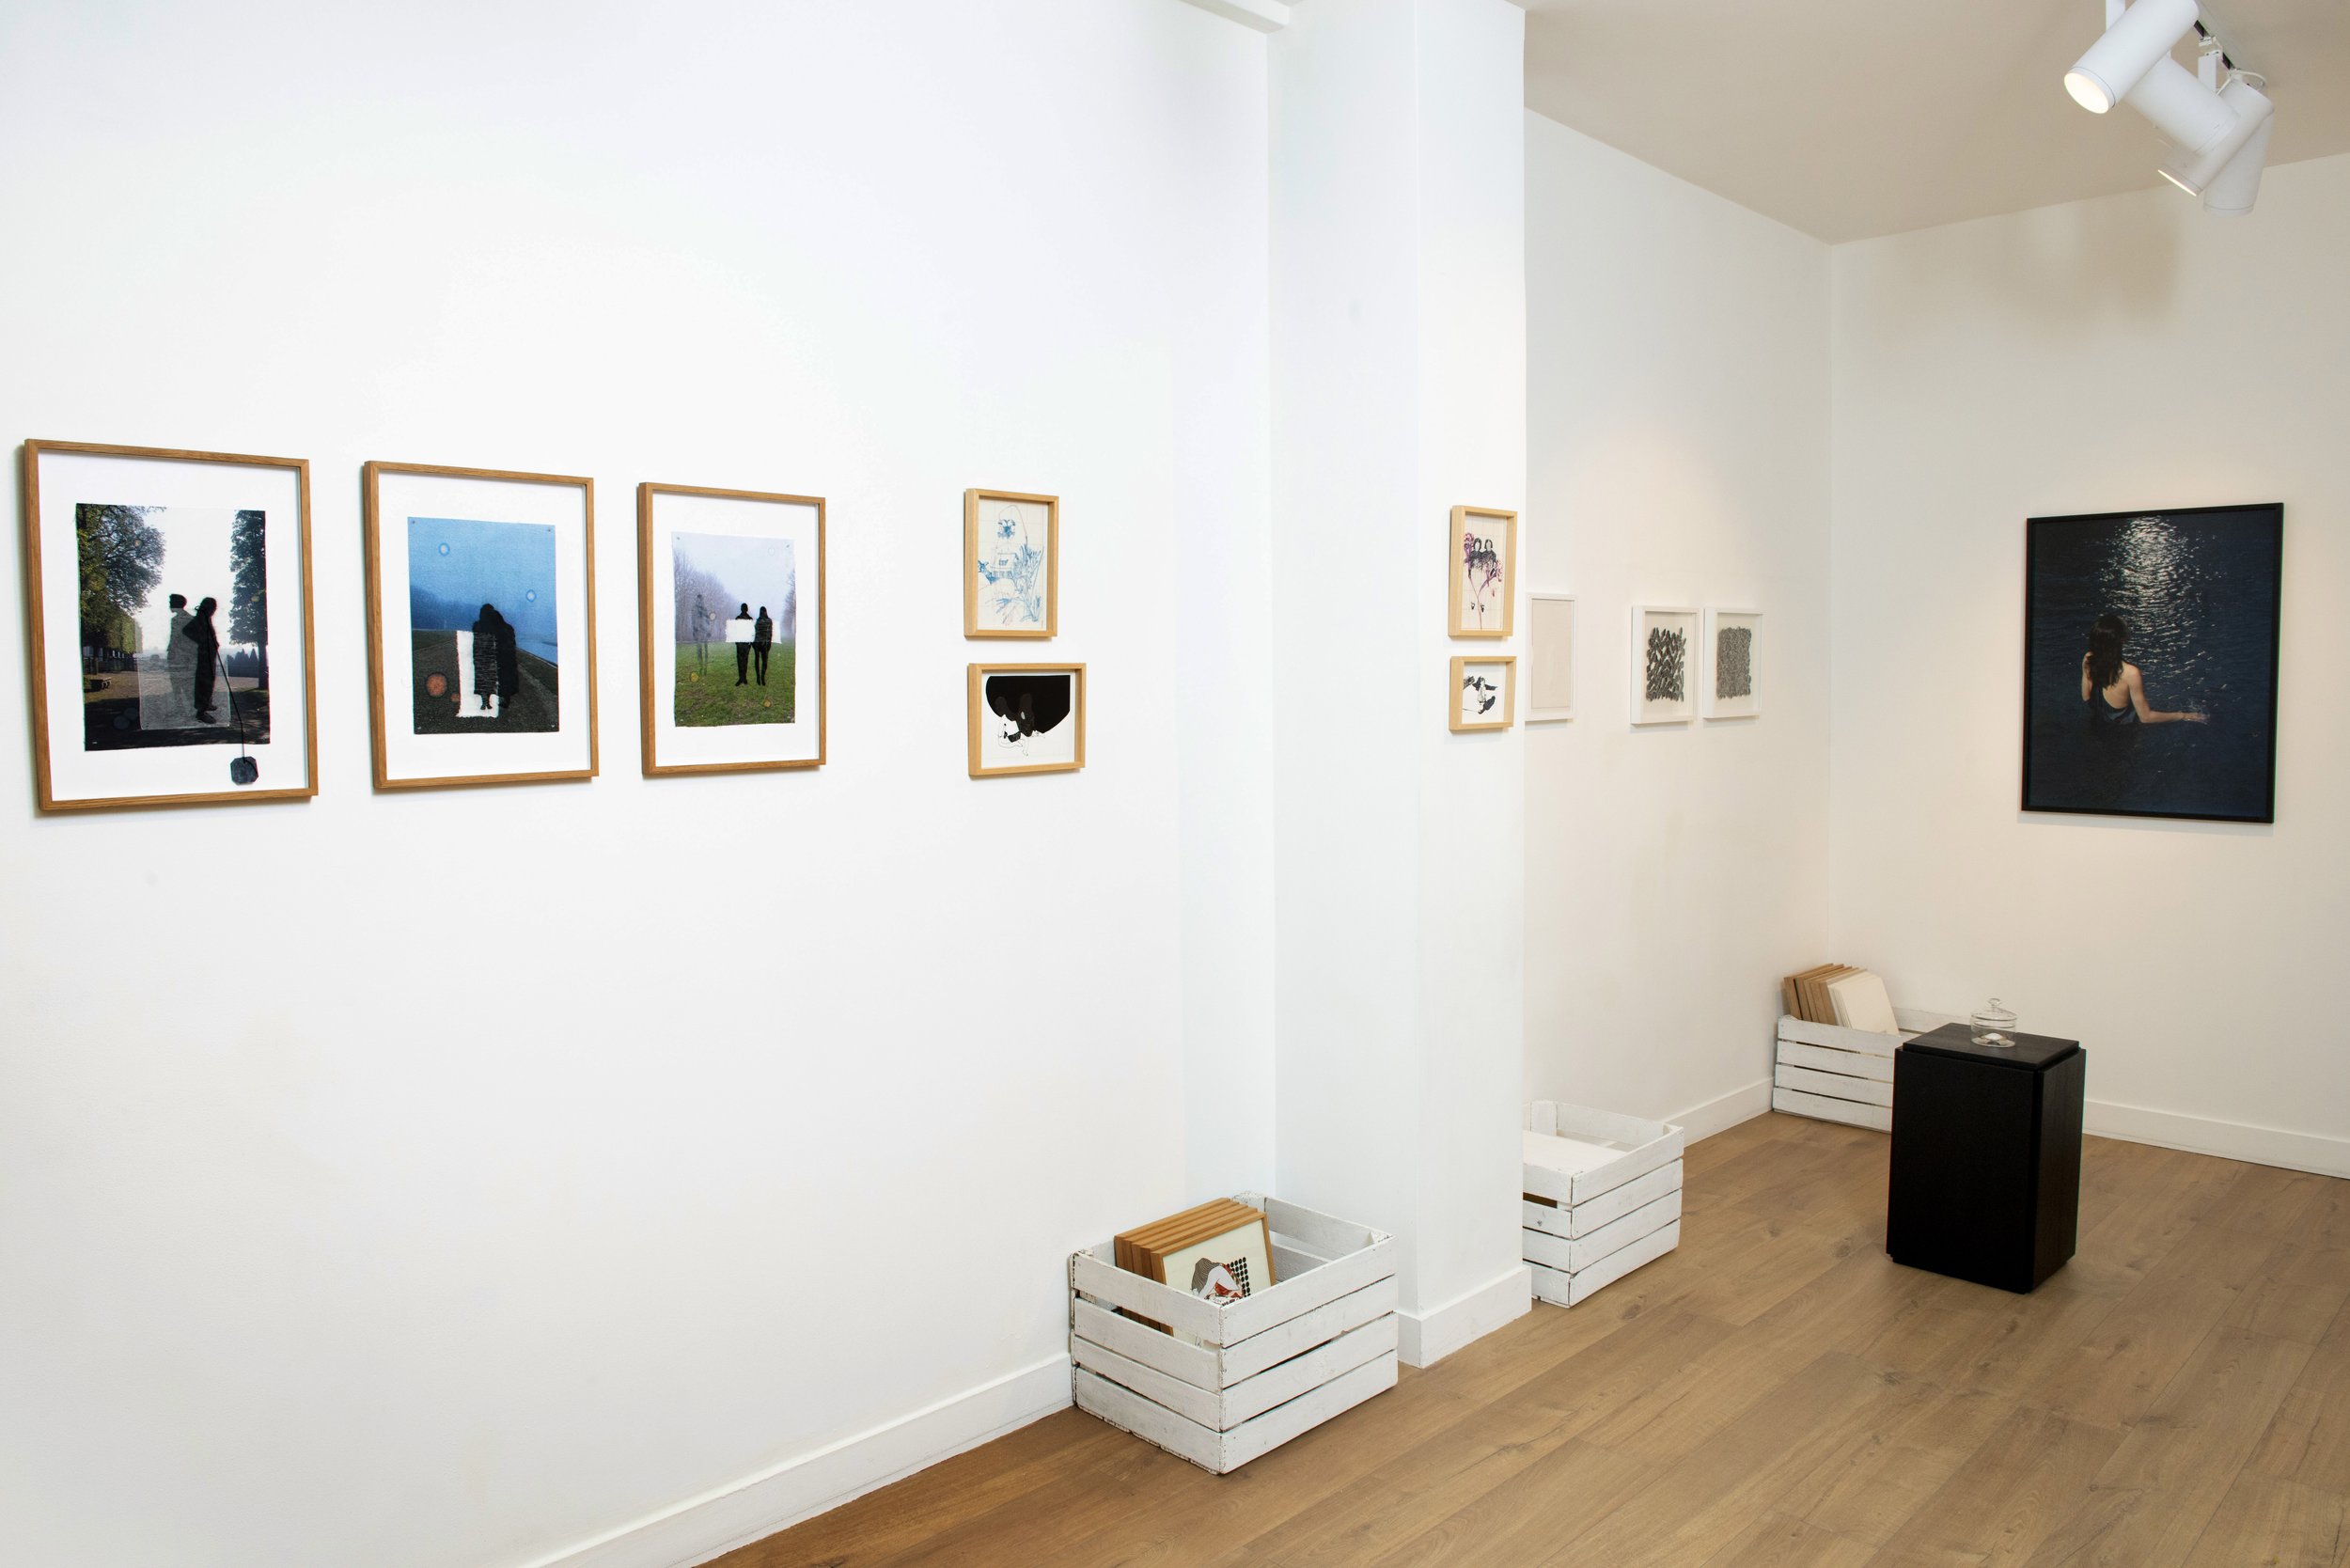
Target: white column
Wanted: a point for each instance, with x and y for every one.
(1399, 391)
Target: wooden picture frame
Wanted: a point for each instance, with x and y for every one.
(1000, 596)
(1665, 677)
(150, 695)
(1472, 703)
(992, 741)
(692, 725)
(410, 754)
(1550, 658)
(1731, 665)
(1482, 568)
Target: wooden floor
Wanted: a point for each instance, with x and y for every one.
(1774, 1392)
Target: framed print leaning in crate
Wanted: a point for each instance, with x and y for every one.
(1027, 718)
(1481, 545)
(730, 592)
(169, 601)
(1011, 564)
(1731, 690)
(481, 625)
(1484, 693)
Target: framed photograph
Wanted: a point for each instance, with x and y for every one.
(1732, 691)
(1481, 547)
(1027, 718)
(167, 596)
(481, 625)
(1484, 692)
(2150, 663)
(730, 651)
(1664, 665)
(1011, 564)
(1549, 658)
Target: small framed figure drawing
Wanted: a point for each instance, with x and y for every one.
(169, 601)
(1484, 692)
(1550, 658)
(481, 625)
(1481, 551)
(1732, 689)
(1011, 564)
(1027, 718)
(730, 651)
(1664, 665)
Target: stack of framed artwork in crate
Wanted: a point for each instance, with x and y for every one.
(1833, 1074)
(1221, 1382)
(1602, 1196)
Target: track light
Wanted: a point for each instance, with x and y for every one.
(2218, 136)
(2134, 42)
(2250, 112)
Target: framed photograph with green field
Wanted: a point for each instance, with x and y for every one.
(481, 625)
(169, 601)
(731, 585)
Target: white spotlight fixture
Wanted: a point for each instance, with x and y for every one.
(2218, 136)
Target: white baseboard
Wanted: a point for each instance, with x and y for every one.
(1428, 1337)
(2234, 1141)
(1724, 1111)
(758, 1505)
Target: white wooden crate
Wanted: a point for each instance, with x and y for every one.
(1266, 1368)
(1602, 1196)
(1832, 1074)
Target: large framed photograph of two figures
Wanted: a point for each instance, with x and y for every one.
(168, 603)
(481, 625)
(2150, 663)
(730, 587)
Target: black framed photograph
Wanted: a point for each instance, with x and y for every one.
(2150, 663)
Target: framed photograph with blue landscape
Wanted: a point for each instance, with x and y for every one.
(481, 625)
(730, 590)
(2150, 663)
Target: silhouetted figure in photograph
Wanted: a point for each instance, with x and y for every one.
(180, 660)
(510, 663)
(762, 639)
(207, 640)
(488, 631)
(742, 652)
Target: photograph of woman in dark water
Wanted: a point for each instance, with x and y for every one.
(2128, 607)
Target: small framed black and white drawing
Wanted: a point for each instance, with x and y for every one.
(1664, 665)
(1484, 693)
(1732, 691)
(1550, 658)
(1027, 718)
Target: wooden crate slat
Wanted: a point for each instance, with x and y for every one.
(1093, 1273)
(1278, 1425)
(1252, 1396)
(1854, 1064)
(1302, 1333)
(1834, 1085)
(1154, 1423)
(1579, 1254)
(1302, 1294)
(1192, 1403)
(1311, 1231)
(1565, 1290)
(1581, 1219)
(1821, 1109)
(1194, 1364)
(1837, 1038)
(1560, 1119)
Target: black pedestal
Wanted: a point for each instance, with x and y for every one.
(1986, 1179)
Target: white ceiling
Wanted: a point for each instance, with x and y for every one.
(1848, 118)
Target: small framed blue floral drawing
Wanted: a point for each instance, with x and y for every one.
(1011, 564)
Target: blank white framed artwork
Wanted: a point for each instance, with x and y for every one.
(1732, 664)
(1550, 658)
(1664, 663)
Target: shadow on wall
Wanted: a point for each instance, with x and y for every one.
(2059, 270)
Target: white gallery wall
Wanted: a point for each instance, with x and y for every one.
(2100, 356)
(1678, 432)
(453, 1178)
